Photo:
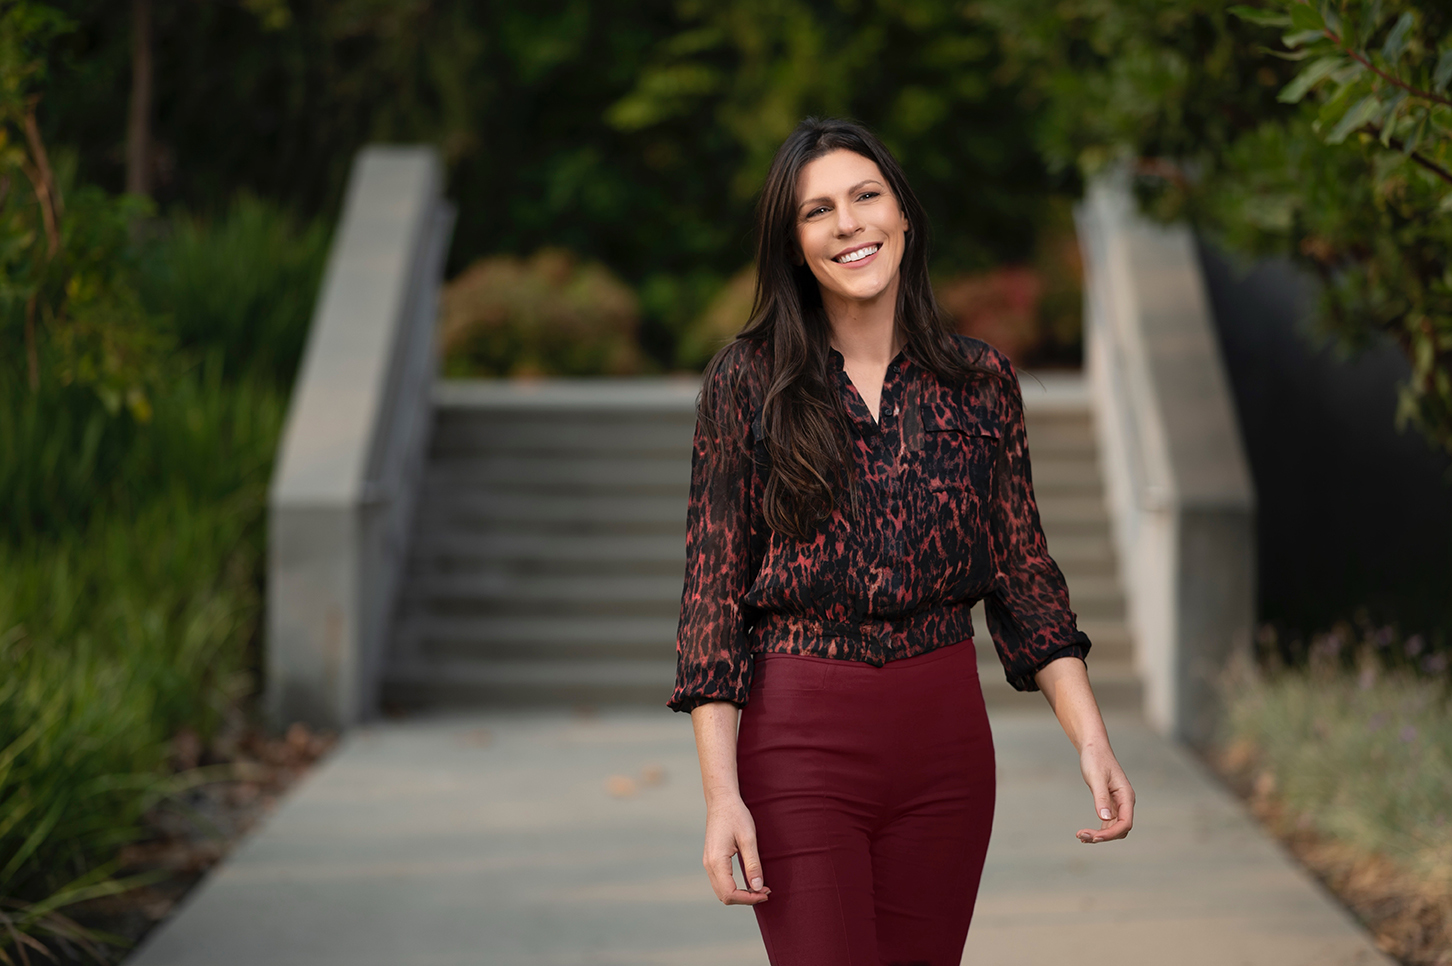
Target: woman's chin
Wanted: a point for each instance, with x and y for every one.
(864, 290)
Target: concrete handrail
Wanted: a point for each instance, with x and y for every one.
(1177, 479)
(341, 502)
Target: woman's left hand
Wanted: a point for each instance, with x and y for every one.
(1113, 796)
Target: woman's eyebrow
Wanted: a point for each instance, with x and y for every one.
(852, 190)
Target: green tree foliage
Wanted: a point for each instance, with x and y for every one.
(1378, 77)
(1314, 130)
(65, 294)
(631, 133)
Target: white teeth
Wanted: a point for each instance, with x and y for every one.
(858, 255)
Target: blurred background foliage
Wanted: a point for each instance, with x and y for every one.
(630, 134)
(549, 314)
(140, 403)
(1317, 129)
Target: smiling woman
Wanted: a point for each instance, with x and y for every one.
(860, 480)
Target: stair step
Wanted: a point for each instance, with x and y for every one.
(503, 592)
(549, 553)
(1054, 440)
(1070, 547)
(444, 507)
(469, 637)
(480, 433)
(638, 398)
(1071, 476)
(1111, 640)
(1072, 508)
(563, 474)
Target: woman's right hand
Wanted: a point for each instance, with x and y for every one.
(730, 832)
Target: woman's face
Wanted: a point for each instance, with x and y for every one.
(849, 226)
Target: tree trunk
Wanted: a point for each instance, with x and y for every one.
(32, 357)
(138, 122)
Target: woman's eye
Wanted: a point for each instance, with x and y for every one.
(815, 211)
(867, 194)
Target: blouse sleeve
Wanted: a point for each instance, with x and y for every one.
(1028, 608)
(713, 660)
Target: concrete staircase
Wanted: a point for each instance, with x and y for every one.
(1072, 508)
(548, 546)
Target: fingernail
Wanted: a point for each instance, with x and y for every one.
(756, 883)
(1104, 814)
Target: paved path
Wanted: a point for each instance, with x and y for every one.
(501, 839)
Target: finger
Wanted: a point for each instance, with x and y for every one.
(1123, 820)
(1124, 804)
(723, 883)
(743, 898)
(750, 863)
(718, 869)
(1117, 829)
(1103, 801)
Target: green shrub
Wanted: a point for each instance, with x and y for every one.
(548, 315)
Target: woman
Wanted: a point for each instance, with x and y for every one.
(860, 479)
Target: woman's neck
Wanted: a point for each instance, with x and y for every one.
(865, 332)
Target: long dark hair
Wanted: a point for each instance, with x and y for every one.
(803, 422)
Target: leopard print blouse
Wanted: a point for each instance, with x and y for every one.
(945, 516)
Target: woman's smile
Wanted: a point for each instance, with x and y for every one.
(856, 256)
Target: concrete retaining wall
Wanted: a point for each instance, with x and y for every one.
(1176, 476)
(341, 502)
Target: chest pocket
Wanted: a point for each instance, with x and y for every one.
(958, 454)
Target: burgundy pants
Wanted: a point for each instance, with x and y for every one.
(872, 791)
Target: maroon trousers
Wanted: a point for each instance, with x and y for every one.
(872, 791)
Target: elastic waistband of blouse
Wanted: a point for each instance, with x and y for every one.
(872, 641)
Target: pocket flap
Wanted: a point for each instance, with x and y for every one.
(954, 421)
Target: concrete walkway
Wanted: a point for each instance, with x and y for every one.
(551, 839)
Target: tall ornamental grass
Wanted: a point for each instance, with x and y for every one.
(131, 555)
(1361, 758)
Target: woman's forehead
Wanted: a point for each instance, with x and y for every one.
(835, 173)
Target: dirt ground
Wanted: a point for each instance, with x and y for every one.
(238, 782)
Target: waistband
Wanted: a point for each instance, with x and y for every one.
(873, 641)
(956, 649)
